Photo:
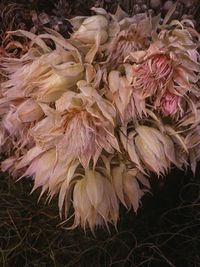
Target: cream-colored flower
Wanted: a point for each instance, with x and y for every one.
(92, 27)
(133, 36)
(49, 172)
(126, 185)
(150, 149)
(92, 194)
(46, 78)
(128, 102)
(185, 134)
(41, 73)
(94, 201)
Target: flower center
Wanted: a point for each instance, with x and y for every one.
(153, 75)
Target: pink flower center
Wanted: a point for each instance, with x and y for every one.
(153, 75)
(80, 131)
(169, 104)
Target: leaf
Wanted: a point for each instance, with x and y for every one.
(169, 14)
(90, 73)
(107, 110)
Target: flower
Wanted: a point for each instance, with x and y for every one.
(94, 201)
(126, 183)
(150, 149)
(133, 36)
(90, 120)
(127, 101)
(170, 64)
(42, 74)
(92, 136)
(78, 128)
(153, 76)
(45, 78)
(17, 122)
(54, 176)
(169, 104)
(124, 43)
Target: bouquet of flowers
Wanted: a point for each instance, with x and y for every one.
(91, 117)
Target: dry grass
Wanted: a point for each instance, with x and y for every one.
(166, 231)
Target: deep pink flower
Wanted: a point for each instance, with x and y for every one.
(169, 104)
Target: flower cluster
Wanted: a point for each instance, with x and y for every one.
(93, 116)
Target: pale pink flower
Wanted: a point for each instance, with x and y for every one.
(85, 136)
(169, 104)
(77, 128)
(128, 102)
(122, 45)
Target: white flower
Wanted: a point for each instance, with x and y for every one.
(92, 27)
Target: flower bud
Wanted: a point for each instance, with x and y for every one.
(90, 28)
(97, 22)
(63, 77)
(151, 147)
(169, 104)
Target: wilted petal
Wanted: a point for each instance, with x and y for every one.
(90, 27)
(29, 111)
